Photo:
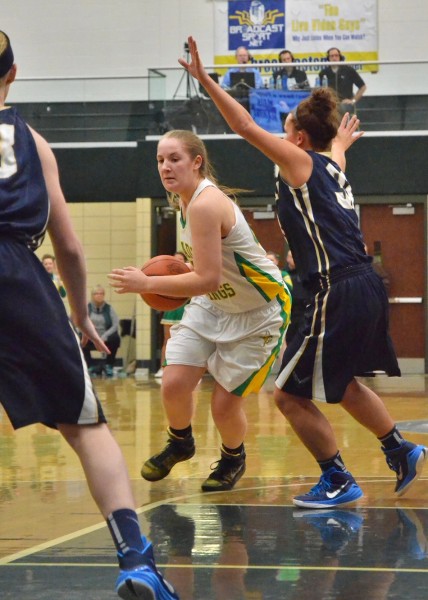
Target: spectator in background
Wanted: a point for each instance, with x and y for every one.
(292, 78)
(342, 79)
(243, 58)
(300, 298)
(49, 262)
(106, 323)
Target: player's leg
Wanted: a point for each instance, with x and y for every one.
(367, 408)
(186, 357)
(178, 383)
(231, 421)
(336, 485)
(309, 423)
(102, 462)
(403, 457)
(108, 480)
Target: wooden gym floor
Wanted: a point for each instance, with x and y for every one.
(250, 543)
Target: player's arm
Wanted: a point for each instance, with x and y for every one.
(67, 247)
(294, 164)
(206, 227)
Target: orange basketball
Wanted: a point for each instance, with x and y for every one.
(164, 265)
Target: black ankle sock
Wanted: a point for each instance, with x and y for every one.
(182, 433)
(392, 440)
(335, 462)
(125, 530)
(234, 451)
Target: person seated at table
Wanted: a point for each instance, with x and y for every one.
(243, 58)
(292, 77)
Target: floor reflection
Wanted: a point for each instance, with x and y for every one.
(280, 552)
(247, 544)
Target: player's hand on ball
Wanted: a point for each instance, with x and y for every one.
(128, 279)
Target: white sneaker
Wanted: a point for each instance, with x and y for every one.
(159, 374)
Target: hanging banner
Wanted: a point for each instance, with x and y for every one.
(308, 28)
(269, 108)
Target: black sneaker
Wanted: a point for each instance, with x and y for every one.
(225, 473)
(176, 450)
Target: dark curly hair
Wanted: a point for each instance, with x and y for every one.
(319, 117)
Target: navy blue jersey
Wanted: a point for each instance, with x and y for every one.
(320, 222)
(24, 204)
(43, 374)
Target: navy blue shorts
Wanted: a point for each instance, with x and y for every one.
(345, 334)
(43, 375)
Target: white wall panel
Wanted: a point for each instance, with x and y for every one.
(88, 38)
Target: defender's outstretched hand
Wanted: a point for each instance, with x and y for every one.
(347, 133)
(195, 67)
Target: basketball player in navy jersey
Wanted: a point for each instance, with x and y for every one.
(345, 333)
(43, 376)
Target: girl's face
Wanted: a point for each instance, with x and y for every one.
(178, 171)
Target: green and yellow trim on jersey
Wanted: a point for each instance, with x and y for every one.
(264, 282)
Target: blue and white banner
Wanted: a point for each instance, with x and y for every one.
(270, 107)
(308, 28)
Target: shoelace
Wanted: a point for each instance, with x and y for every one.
(218, 466)
(222, 467)
(322, 486)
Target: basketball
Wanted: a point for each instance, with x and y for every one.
(164, 265)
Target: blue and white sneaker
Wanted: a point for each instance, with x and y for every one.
(335, 526)
(144, 582)
(335, 488)
(407, 462)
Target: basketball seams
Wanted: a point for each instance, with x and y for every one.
(160, 265)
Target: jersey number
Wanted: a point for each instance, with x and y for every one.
(8, 166)
(345, 199)
(345, 196)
